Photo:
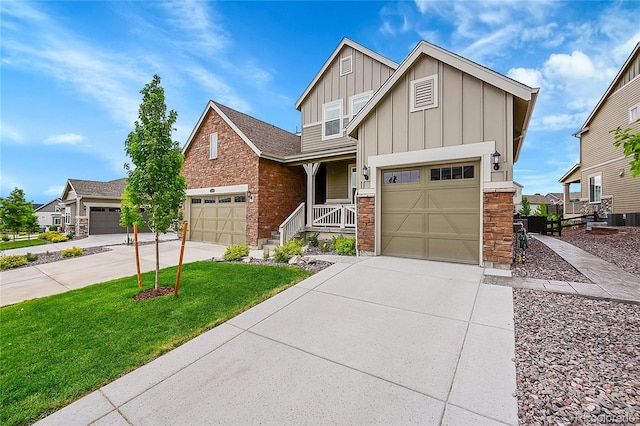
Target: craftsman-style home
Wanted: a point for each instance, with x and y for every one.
(415, 159)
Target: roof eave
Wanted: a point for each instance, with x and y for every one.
(527, 119)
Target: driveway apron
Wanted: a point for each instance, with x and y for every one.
(379, 341)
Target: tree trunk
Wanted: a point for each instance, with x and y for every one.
(157, 261)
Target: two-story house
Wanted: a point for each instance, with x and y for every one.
(603, 171)
(416, 158)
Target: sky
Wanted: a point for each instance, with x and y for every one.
(71, 71)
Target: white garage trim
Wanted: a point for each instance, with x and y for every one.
(217, 190)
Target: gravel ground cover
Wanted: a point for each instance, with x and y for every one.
(543, 263)
(621, 249)
(55, 256)
(577, 360)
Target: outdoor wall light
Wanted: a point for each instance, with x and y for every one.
(496, 160)
(249, 195)
(365, 172)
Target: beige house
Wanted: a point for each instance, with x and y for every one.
(603, 171)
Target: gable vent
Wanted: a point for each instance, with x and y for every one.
(424, 93)
(345, 65)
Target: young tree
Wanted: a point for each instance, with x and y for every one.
(631, 145)
(16, 214)
(155, 183)
(526, 207)
(129, 214)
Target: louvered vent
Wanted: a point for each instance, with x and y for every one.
(424, 93)
(345, 65)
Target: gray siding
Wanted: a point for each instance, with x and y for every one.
(469, 110)
(338, 179)
(368, 75)
(624, 189)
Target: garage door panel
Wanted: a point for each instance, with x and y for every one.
(220, 220)
(436, 218)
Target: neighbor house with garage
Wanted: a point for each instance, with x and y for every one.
(92, 207)
(415, 158)
(603, 171)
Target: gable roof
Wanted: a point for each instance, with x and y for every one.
(95, 189)
(496, 79)
(265, 139)
(610, 90)
(345, 42)
(55, 201)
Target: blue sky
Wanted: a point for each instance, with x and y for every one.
(71, 72)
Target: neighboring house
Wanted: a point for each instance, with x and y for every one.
(603, 171)
(416, 159)
(91, 207)
(49, 214)
(517, 196)
(551, 200)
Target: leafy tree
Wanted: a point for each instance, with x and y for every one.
(129, 214)
(16, 214)
(526, 207)
(155, 183)
(542, 210)
(631, 145)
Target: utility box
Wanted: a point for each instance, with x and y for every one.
(616, 219)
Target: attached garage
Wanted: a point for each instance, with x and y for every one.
(220, 219)
(431, 212)
(105, 220)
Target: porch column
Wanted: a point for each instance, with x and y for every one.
(566, 198)
(311, 169)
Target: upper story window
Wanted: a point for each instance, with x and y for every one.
(332, 120)
(424, 93)
(346, 65)
(357, 102)
(595, 188)
(213, 146)
(634, 113)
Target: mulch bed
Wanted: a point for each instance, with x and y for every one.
(56, 256)
(152, 292)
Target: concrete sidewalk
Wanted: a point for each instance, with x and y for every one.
(17, 285)
(377, 341)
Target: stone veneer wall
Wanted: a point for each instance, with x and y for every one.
(366, 224)
(497, 220)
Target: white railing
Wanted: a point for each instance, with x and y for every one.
(337, 215)
(292, 225)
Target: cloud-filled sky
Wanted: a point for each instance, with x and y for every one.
(71, 71)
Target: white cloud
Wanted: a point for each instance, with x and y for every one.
(10, 133)
(562, 121)
(64, 139)
(218, 89)
(528, 76)
(54, 191)
(577, 65)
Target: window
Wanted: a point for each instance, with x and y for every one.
(196, 201)
(213, 146)
(210, 200)
(634, 113)
(358, 102)
(346, 65)
(240, 199)
(424, 93)
(56, 221)
(332, 120)
(595, 188)
(452, 173)
(222, 200)
(403, 176)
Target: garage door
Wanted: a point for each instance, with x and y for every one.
(432, 212)
(105, 220)
(219, 219)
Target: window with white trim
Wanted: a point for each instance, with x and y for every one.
(332, 120)
(424, 93)
(595, 188)
(357, 102)
(213, 146)
(346, 65)
(634, 113)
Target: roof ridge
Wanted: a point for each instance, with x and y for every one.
(253, 118)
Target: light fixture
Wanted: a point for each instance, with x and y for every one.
(249, 195)
(365, 172)
(496, 160)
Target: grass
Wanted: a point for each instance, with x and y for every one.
(59, 348)
(8, 245)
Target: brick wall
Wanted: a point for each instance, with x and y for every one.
(280, 190)
(366, 224)
(498, 227)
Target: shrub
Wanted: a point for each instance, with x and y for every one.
(326, 246)
(283, 253)
(31, 257)
(12, 261)
(265, 253)
(70, 235)
(71, 252)
(345, 246)
(313, 239)
(5, 238)
(52, 236)
(235, 253)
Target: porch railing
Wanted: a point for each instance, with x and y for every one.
(293, 224)
(335, 215)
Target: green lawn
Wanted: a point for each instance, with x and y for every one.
(8, 245)
(56, 349)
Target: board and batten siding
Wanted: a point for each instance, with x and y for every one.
(624, 189)
(597, 143)
(469, 111)
(368, 75)
(632, 71)
(338, 180)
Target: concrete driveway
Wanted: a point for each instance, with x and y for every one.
(378, 341)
